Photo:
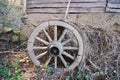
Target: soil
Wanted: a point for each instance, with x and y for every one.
(29, 71)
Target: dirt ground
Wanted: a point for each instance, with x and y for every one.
(29, 71)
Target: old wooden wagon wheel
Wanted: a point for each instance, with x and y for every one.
(57, 44)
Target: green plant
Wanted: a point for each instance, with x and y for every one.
(78, 75)
(69, 77)
(16, 64)
(87, 77)
(50, 70)
(11, 71)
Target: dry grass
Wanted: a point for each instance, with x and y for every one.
(101, 51)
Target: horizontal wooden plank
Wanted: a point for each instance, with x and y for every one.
(54, 1)
(37, 5)
(114, 1)
(62, 10)
(97, 10)
(113, 10)
(114, 5)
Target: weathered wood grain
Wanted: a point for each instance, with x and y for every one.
(114, 1)
(113, 10)
(52, 1)
(62, 10)
(58, 5)
(37, 5)
(113, 5)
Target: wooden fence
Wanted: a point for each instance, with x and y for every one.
(76, 6)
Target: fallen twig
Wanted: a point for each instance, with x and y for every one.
(14, 52)
(95, 66)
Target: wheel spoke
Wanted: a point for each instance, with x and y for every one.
(55, 62)
(68, 55)
(62, 36)
(45, 42)
(63, 60)
(48, 61)
(70, 48)
(41, 55)
(37, 47)
(48, 36)
(67, 41)
(55, 33)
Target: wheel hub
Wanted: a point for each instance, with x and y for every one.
(54, 51)
(55, 48)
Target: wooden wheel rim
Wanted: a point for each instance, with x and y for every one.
(67, 26)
